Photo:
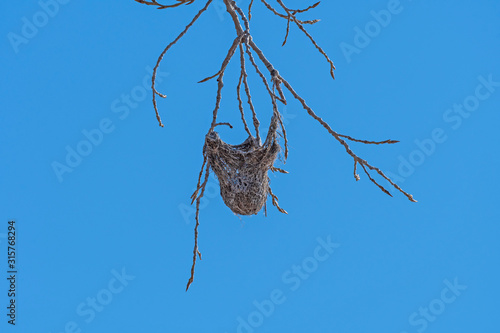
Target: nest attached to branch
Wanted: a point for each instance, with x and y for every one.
(242, 170)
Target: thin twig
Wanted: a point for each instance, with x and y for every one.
(287, 30)
(275, 12)
(250, 10)
(341, 141)
(356, 176)
(275, 201)
(238, 88)
(194, 195)
(220, 82)
(275, 169)
(196, 251)
(160, 6)
(256, 122)
(374, 181)
(369, 142)
(301, 27)
(160, 58)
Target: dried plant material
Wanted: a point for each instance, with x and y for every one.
(242, 170)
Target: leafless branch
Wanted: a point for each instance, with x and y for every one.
(196, 251)
(274, 84)
(160, 58)
(160, 6)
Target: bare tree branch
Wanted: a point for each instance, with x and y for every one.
(160, 6)
(160, 58)
(273, 83)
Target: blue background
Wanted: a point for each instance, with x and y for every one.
(125, 206)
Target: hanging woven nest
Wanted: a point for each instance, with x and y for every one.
(242, 170)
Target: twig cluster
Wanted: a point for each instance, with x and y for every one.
(247, 48)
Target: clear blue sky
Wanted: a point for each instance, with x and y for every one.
(106, 245)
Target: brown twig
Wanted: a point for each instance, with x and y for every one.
(342, 142)
(196, 251)
(275, 12)
(160, 6)
(369, 142)
(250, 10)
(244, 74)
(238, 88)
(291, 14)
(275, 201)
(160, 58)
(356, 176)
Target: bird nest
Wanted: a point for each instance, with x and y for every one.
(242, 171)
